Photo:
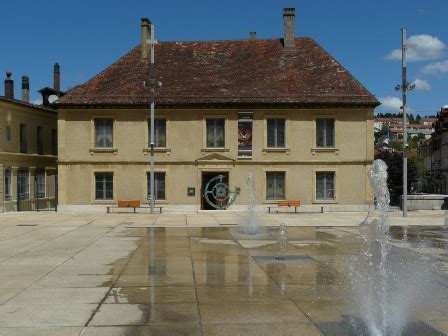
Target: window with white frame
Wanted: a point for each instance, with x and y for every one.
(276, 133)
(104, 133)
(159, 133)
(215, 133)
(54, 142)
(159, 185)
(104, 186)
(8, 132)
(23, 138)
(325, 132)
(40, 183)
(275, 185)
(23, 177)
(7, 187)
(39, 140)
(325, 186)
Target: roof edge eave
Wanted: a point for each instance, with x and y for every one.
(220, 105)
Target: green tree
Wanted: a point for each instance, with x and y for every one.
(418, 118)
(397, 145)
(394, 163)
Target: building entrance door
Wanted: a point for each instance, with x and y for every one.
(215, 190)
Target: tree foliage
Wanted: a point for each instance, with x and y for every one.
(412, 119)
(394, 163)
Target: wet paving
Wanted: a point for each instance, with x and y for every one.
(101, 278)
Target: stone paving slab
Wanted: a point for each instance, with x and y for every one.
(41, 331)
(187, 274)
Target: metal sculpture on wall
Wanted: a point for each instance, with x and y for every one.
(217, 193)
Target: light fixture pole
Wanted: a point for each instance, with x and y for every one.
(152, 85)
(405, 86)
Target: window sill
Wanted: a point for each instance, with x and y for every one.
(325, 150)
(276, 150)
(244, 158)
(103, 150)
(217, 149)
(329, 201)
(157, 202)
(157, 150)
(105, 202)
(273, 201)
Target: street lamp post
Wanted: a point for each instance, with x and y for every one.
(152, 85)
(405, 86)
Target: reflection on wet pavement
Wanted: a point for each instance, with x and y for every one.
(205, 280)
(199, 281)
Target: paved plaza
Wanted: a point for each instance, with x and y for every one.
(190, 274)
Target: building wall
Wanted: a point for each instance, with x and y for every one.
(11, 116)
(186, 155)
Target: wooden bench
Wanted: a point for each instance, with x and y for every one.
(286, 204)
(135, 204)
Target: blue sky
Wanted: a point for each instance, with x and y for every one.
(85, 36)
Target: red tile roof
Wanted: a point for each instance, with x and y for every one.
(227, 72)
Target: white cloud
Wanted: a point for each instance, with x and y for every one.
(391, 104)
(445, 106)
(427, 48)
(436, 68)
(421, 85)
(37, 101)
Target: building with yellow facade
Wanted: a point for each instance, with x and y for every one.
(28, 151)
(282, 109)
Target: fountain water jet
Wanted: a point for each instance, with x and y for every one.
(282, 241)
(250, 224)
(388, 285)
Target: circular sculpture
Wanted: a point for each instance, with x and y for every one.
(217, 192)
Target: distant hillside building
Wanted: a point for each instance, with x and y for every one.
(428, 121)
(282, 109)
(394, 127)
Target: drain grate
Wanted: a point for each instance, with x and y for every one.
(289, 259)
(345, 328)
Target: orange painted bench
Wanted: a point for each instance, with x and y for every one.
(135, 204)
(286, 204)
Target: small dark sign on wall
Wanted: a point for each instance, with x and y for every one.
(191, 191)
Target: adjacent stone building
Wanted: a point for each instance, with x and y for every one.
(282, 109)
(28, 151)
(435, 154)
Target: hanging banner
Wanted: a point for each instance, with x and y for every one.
(245, 121)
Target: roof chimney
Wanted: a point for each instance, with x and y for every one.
(289, 15)
(253, 35)
(145, 35)
(57, 79)
(9, 86)
(25, 89)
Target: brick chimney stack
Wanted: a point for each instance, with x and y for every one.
(145, 35)
(25, 89)
(9, 86)
(57, 79)
(289, 15)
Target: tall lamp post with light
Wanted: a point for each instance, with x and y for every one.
(152, 86)
(404, 87)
